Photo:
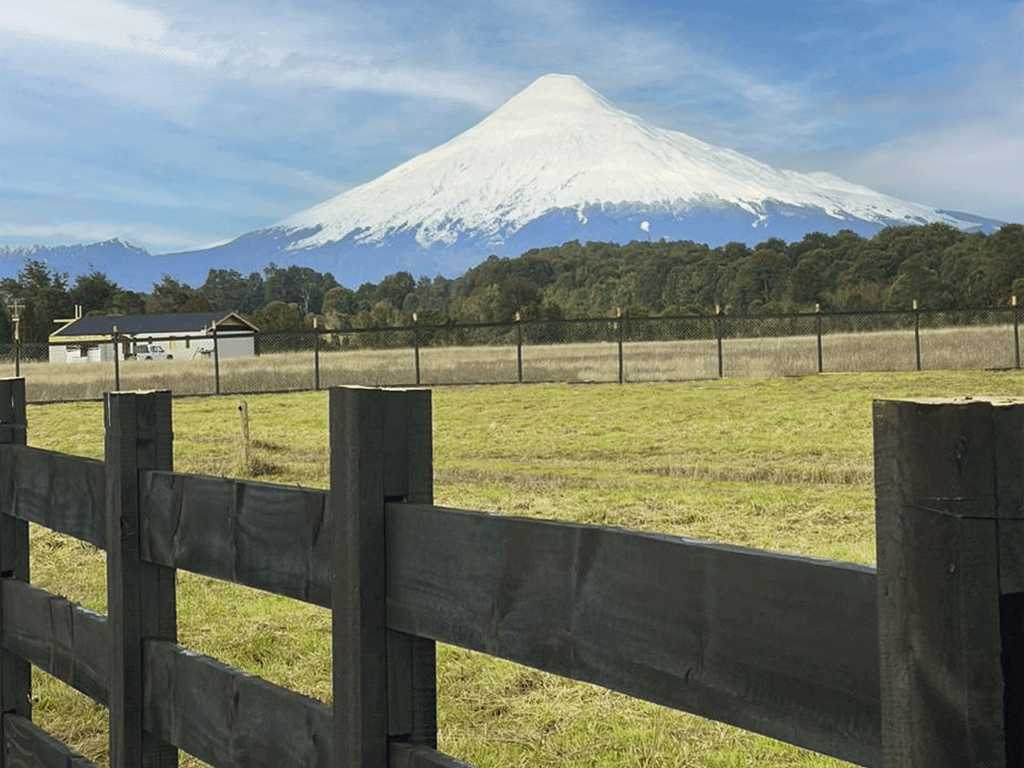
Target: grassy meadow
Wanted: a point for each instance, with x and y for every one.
(982, 346)
(783, 464)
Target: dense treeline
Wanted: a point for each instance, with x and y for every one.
(936, 264)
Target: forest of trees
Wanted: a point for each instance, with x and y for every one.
(938, 265)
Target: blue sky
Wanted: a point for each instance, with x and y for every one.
(180, 123)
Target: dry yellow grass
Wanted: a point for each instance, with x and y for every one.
(781, 464)
(965, 348)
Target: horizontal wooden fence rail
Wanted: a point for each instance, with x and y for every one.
(26, 745)
(64, 493)
(824, 655)
(785, 646)
(271, 537)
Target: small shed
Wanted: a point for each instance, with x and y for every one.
(182, 336)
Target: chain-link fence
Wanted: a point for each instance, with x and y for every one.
(669, 348)
(380, 357)
(483, 353)
(876, 341)
(570, 350)
(982, 338)
(182, 364)
(784, 345)
(607, 349)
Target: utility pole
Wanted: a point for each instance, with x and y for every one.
(15, 307)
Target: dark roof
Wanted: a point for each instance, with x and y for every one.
(103, 325)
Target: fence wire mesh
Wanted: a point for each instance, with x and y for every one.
(669, 349)
(187, 369)
(7, 359)
(472, 354)
(552, 350)
(382, 357)
(570, 350)
(769, 346)
(869, 342)
(283, 362)
(980, 338)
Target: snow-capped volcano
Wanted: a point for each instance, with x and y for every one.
(560, 146)
(556, 162)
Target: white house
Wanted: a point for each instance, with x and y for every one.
(183, 336)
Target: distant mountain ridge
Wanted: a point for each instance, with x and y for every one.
(555, 163)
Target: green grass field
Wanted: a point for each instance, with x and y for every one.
(782, 464)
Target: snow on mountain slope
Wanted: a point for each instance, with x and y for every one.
(560, 145)
(557, 162)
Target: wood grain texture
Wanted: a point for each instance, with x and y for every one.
(228, 718)
(403, 755)
(221, 715)
(384, 683)
(26, 745)
(945, 473)
(63, 493)
(15, 673)
(67, 641)
(784, 646)
(270, 537)
(140, 595)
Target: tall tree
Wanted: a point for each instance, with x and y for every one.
(171, 296)
(95, 292)
(44, 295)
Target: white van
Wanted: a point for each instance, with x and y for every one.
(151, 352)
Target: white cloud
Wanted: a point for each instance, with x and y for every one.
(974, 166)
(104, 23)
(266, 50)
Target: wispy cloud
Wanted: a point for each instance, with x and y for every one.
(269, 52)
(211, 118)
(105, 23)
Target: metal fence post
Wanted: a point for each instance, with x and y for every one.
(416, 343)
(116, 338)
(950, 538)
(17, 357)
(817, 323)
(316, 353)
(1016, 332)
(216, 362)
(718, 334)
(140, 595)
(519, 347)
(15, 672)
(385, 683)
(619, 325)
(917, 334)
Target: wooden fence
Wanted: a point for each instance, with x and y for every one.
(917, 664)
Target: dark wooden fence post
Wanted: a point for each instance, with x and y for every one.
(718, 336)
(116, 339)
(950, 531)
(1016, 332)
(917, 334)
(384, 681)
(15, 673)
(216, 362)
(519, 347)
(141, 600)
(416, 344)
(817, 324)
(620, 322)
(316, 353)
